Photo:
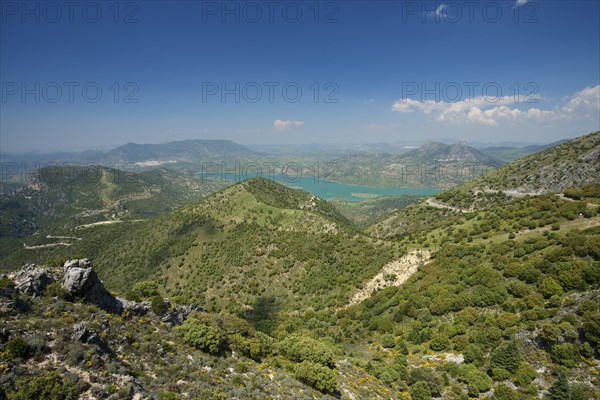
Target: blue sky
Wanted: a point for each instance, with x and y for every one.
(385, 71)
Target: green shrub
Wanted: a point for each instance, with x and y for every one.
(159, 307)
(316, 375)
(388, 341)
(525, 374)
(168, 396)
(500, 374)
(420, 391)
(581, 392)
(565, 354)
(250, 347)
(503, 392)
(145, 289)
(6, 283)
(432, 377)
(402, 348)
(303, 348)
(266, 342)
(17, 348)
(35, 346)
(209, 338)
(47, 386)
(133, 296)
(473, 354)
(476, 380)
(55, 289)
(55, 262)
(591, 327)
(439, 342)
(550, 287)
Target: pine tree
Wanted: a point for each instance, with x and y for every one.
(560, 389)
(507, 356)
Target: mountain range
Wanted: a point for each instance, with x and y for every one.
(375, 164)
(432, 164)
(259, 290)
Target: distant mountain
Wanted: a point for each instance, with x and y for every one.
(432, 164)
(179, 151)
(512, 153)
(459, 152)
(572, 164)
(132, 156)
(514, 186)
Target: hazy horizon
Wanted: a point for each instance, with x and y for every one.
(407, 143)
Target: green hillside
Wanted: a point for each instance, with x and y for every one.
(58, 199)
(369, 211)
(253, 242)
(573, 164)
(473, 294)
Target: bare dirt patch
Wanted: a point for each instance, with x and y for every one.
(394, 273)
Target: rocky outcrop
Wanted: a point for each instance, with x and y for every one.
(82, 334)
(33, 280)
(80, 280)
(134, 307)
(178, 313)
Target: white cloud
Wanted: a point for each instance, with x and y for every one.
(282, 125)
(519, 3)
(439, 11)
(483, 111)
(586, 102)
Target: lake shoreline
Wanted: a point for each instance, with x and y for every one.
(328, 189)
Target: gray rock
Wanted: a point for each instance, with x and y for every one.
(82, 334)
(80, 280)
(32, 280)
(134, 307)
(178, 314)
(104, 319)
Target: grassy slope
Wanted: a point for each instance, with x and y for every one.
(366, 212)
(574, 163)
(483, 289)
(256, 241)
(58, 199)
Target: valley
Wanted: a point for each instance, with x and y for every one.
(300, 200)
(255, 289)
